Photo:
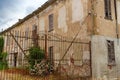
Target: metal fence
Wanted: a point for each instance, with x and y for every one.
(70, 57)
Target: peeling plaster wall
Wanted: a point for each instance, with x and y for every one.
(100, 66)
(67, 17)
(77, 10)
(62, 19)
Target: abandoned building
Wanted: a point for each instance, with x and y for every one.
(86, 30)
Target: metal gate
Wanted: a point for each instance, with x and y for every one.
(70, 56)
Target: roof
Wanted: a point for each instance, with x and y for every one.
(37, 11)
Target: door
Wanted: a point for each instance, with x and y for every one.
(51, 55)
(15, 59)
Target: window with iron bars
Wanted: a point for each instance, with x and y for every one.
(108, 14)
(111, 53)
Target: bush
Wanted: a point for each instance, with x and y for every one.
(42, 69)
(38, 64)
(35, 56)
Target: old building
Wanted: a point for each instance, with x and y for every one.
(86, 30)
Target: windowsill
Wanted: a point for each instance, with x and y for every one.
(111, 64)
(108, 18)
(50, 30)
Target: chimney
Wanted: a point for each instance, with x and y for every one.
(19, 20)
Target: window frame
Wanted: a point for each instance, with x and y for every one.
(26, 33)
(51, 54)
(51, 22)
(108, 9)
(111, 53)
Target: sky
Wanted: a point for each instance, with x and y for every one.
(12, 10)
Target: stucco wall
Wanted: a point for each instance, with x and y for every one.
(62, 19)
(77, 10)
(118, 9)
(68, 16)
(100, 68)
(103, 26)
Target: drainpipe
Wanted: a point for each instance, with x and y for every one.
(92, 33)
(93, 17)
(116, 18)
(117, 28)
(46, 55)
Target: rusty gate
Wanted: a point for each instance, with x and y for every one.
(70, 56)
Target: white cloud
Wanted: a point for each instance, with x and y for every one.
(10, 14)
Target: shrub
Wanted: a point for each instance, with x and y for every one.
(35, 56)
(42, 69)
(38, 64)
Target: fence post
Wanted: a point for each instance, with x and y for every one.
(90, 59)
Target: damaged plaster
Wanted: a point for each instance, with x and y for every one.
(77, 10)
(62, 19)
(42, 24)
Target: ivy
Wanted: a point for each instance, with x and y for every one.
(3, 55)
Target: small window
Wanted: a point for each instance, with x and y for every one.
(8, 40)
(16, 37)
(51, 54)
(26, 33)
(107, 4)
(34, 28)
(111, 52)
(34, 35)
(34, 31)
(50, 22)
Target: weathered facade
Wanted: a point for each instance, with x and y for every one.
(95, 21)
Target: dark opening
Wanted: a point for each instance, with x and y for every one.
(15, 59)
(50, 22)
(107, 4)
(111, 52)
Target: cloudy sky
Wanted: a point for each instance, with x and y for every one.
(12, 10)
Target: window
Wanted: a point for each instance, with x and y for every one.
(34, 35)
(50, 22)
(51, 54)
(107, 4)
(16, 37)
(111, 52)
(26, 33)
(8, 40)
(34, 28)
